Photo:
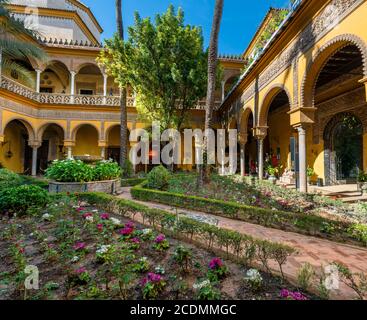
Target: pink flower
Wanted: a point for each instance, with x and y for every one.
(215, 263)
(105, 216)
(286, 294)
(80, 270)
(151, 277)
(130, 224)
(100, 227)
(86, 215)
(135, 240)
(160, 238)
(79, 246)
(80, 209)
(126, 231)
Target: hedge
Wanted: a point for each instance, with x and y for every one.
(131, 182)
(243, 247)
(303, 223)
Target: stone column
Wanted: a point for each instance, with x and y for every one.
(243, 142)
(69, 152)
(72, 85)
(34, 145)
(302, 159)
(103, 153)
(261, 158)
(105, 78)
(103, 145)
(260, 134)
(223, 88)
(38, 80)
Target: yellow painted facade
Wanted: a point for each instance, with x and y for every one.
(292, 84)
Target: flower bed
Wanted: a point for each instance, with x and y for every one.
(304, 223)
(109, 186)
(83, 252)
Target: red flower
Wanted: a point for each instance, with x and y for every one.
(100, 227)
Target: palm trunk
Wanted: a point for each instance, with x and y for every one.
(123, 104)
(210, 97)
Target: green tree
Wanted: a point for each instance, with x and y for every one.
(13, 49)
(212, 80)
(164, 62)
(123, 95)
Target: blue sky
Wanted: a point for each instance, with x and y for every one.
(240, 17)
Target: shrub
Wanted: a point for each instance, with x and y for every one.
(20, 199)
(107, 170)
(244, 246)
(158, 178)
(127, 169)
(131, 182)
(303, 223)
(70, 171)
(305, 275)
(9, 179)
(254, 280)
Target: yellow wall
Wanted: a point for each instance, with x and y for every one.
(86, 142)
(279, 136)
(13, 135)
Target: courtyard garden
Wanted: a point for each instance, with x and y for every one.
(259, 202)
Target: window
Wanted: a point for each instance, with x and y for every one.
(46, 90)
(88, 92)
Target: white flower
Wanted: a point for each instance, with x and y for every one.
(89, 219)
(200, 285)
(147, 231)
(160, 270)
(253, 275)
(143, 259)
(75, 259)
(47, 217)
(103, 249)
(115, 221)
(95, 210)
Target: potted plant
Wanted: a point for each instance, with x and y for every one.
(272, 172)
(362, 182)
(310, 174)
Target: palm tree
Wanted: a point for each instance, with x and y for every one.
(210, 97)
(13, 50)
(123, 107)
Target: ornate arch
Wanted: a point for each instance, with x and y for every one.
(320, 59)
(75, 130)
(244, 117)
(329, 156)
(110, 128)
(41, 130)
(269, 97)
(30, 130)
(81, 65)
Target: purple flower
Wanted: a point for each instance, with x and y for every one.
(160, 238)
(151, 277)
(130, 224)
(215, 263)
(79, 246)
(286, 294)
(80, 270)
(105, 216)
(126, 231)
(135, 240)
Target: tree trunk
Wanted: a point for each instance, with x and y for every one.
(210, 97)
(123, 102)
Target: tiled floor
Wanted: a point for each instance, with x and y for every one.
(318, 252)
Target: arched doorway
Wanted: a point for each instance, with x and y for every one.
(86, 142)
(343, 138)
(15, 153)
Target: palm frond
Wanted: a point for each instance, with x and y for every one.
(24, 75)
(21, 50)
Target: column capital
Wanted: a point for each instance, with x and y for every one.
(73, 73)
(302, 116)
(242, 138)
(34, 144)
(260, 133)
(102, 143)
(69, 143)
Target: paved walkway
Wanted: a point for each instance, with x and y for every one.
(318, 252)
